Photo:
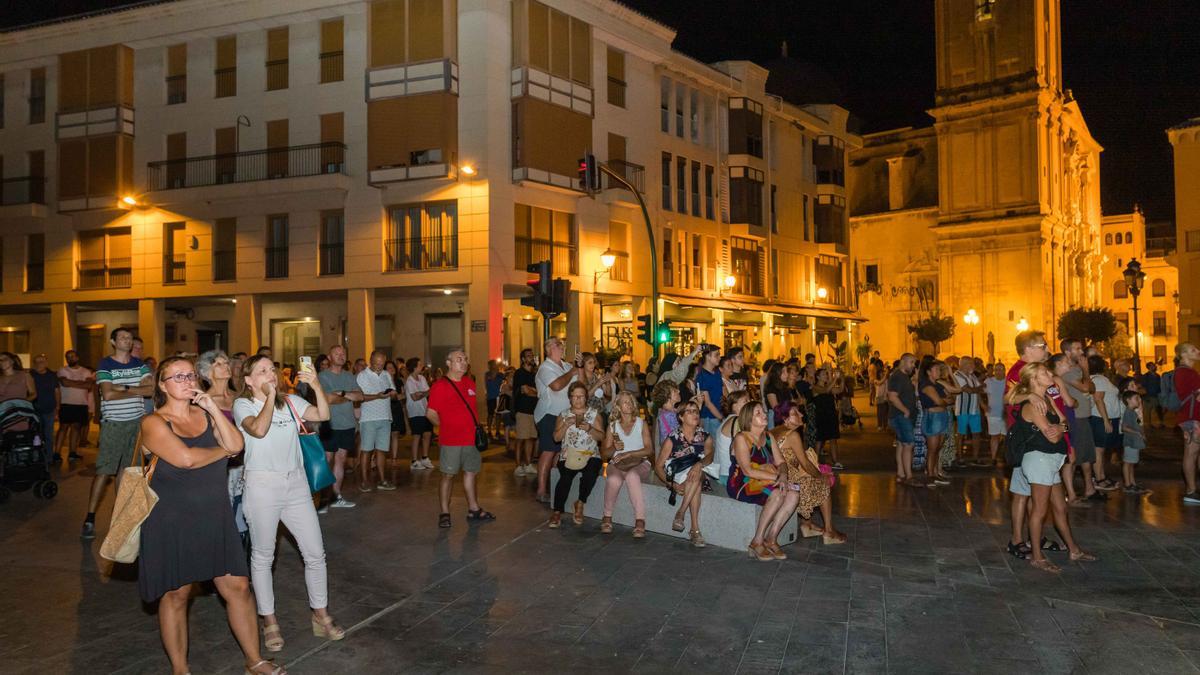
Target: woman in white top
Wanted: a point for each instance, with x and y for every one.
(277, 491)
(1108, 410)
(416, 391)
(580, 430)
(723, 440)
(627, 450)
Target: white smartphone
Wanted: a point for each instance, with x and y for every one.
(306, 363)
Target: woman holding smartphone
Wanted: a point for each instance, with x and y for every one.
(580, 431)
(416, 391)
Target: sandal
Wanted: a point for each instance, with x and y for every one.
(577, 515)
(555, 520)
(443, 520)
(808, 531)
(776, 552)
(1048, 545)
(606, 525)
(480, 515)
(275, 670)
(759, 552)
(639, 528)
(1046, 566)
(697, 540)
(1083, 556)
(1018, 551)
(677, 524)
(272, 639)
(833, 539)
(326, 628)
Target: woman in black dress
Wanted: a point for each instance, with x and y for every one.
(190, 536)
(825, 392)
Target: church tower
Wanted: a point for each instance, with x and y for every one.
(1018, 189)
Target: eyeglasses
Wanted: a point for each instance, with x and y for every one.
(180, 378)
(1039, 346)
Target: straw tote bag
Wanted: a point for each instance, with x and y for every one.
(135, 500)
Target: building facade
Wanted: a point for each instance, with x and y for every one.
(996, 207)
(220, 173)
(1157, 326)
(1185, 142)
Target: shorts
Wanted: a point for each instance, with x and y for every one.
(455, 458)
(1131, 455)
(419, 425)
(903, 427)
(526, 429)
(1099, 435)
(1080, 434)
(69, 413)
(545, 434)
(374, 435)
(935, 423)
(995, 426)
(1042, 468)
(1116, 439)
(398, 425)
(339, 439)
(1191, 431)
(116, 445)
(491, 406)
(1018, 485)
(969, 423)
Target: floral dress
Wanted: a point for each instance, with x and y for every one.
(685, 453)
(744, 488)
(814, 490)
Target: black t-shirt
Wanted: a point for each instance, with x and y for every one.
(524, 402)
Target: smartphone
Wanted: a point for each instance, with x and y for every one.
(306, 363)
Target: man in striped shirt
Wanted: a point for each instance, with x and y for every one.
(124, 380)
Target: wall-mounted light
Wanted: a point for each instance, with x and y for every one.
(730, 281)
(1022, 325)
(447, 291)
(467, 170)
(822, 293)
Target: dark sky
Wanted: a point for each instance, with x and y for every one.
(1134, 66)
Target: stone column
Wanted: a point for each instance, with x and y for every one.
(152, 326)
(360, 322)
(484, 331)
(245, 331)
(62, 332)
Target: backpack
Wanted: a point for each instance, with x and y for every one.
(1015, 440)
(1169, 396)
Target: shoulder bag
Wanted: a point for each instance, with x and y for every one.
(481, 438)
(316, 467)
(135, 500)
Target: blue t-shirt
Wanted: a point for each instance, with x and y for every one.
(1152, 382)
(711, 383)
(492, 384)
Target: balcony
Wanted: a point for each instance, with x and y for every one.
(243, 167)
(635, 174)
(331, 67)
(276, 259)
(35, 276)
(226, 81)
(176, 89)
(224, 265)
(174, 269)
(105, 273)
(1160, 247)
(427, 253)
(277, 74)
(24, 190)
(331, 260)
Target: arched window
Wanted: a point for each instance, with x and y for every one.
(1158, 288)
(1120, 290)
(1108, 239)
(1128, 237)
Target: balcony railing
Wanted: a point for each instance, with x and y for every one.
(35, 276)
(620, 268)
(174, 269)
(331, 67)
(226, 79)
(244, 167)
(176, 89)
(277, 74)
(24, 190)
(105, 273)
(563, 256)
(428, 253)
(1160, 247)
(276, 259)
(331, 259)
(224, 265)
(634, 173)
(37, 110)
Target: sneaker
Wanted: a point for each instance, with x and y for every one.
(427, 463)
(88, 531)
(386, 486)
(1101, 497)
(417, 465)
(324, 509)
(941, 481)
(365, 488)
(520, 470)
(342, 503)
(1192, 498)
(837, 466)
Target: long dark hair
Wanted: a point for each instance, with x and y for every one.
(160, 396)
(247, 390)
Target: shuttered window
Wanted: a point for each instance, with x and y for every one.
(277, 58)
(225, 72)
(176, 81)
(332, 38)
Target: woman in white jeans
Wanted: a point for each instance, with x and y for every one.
(277, 490)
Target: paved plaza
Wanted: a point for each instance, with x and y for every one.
(923, 585)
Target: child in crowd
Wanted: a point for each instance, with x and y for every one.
(1134, 440)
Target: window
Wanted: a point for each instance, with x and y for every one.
(1122, 318)
(745, 260)
(224, 265)
(35, 262)
(708, 192)
(664, 106)
(774, 213)
(332, 40)
(616, 77)
(331, 244)
(694, 115)
(174, 253)
(829, 277)
(1128, 237)
(1, 101)
(829, 159)
(1160, 324)
(804, 216)
(680, 90)
(225, 70)
(745, 195)
(1158, 288)
(668, 270)
(1120, 290)
(666, 181)
(277, 58)
(871, 274)
(1160, 353)
(276, 257)
(829, 214)
(422, 237)
(37, 95)
(745, 127)
(696, 189)
(542, 234)
(543, 38)
(681, 184)
(618, 244)
(774, 272)
(105, 258)
(1192, 241)
(1108, 239)
(176, 79)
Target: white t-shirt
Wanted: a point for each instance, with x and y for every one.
(379, 410)
(279, 450)
(72, 395)
(966, 403)
(415, 384)
(551, 402)
(1112, 398)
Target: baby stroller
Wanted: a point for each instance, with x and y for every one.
(848, 413)
(22, 455)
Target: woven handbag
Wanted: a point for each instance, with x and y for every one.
(135, 500)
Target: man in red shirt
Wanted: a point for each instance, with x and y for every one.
(452, 411)
(1187, 386)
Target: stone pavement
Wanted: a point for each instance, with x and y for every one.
(922, 586)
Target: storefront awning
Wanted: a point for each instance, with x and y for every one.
(780, 311)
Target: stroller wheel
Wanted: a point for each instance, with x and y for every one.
(49, 490)
(37, 489)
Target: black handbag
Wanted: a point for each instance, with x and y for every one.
(481, 437)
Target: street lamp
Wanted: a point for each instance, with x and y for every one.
(1135, 278)
(822, 293)
(728, 282)
(607, 260)
(1022, 325)
(972, 320)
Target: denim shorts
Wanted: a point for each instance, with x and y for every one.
(1041, 468)
(903, 427)
(1131, 455)
(1018, 485)
(969, 423)
(935, 423)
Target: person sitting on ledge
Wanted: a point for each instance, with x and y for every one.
(753, 478)
(686, 447)
(807, 488)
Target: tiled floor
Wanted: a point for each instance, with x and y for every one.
(922, 586)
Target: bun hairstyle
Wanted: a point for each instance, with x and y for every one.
(1025, 386)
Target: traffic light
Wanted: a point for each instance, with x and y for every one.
(662, 336)
(542, 286)
(589, 174)
(645, 329)
(560, 298)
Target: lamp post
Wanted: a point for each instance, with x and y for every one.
(1135, 278)
(972, 320)
(607, 260)
(1022, 325)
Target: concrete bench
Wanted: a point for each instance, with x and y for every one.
(724, 521)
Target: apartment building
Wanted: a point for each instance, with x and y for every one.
(1185, 144)
(1157, 332)
(220, 173)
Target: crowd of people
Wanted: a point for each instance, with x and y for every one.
(225, 434)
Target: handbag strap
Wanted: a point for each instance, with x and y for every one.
(139, 457)
(464, 400)
(296, 416)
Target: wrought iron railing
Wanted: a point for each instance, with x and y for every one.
(224, 265)
(176, 89)
(331, 259)
(331, 67)
(427, 253)
(277, 74)
(226, 80)
(105, 273)
(174, 268)
(247, 166)
(276, 259)
(634, 173)
(23, 190)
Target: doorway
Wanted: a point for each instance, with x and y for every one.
(293, 339)
(89, 344)
(443, 332)
(212, 335)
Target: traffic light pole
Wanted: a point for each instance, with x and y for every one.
(653, 254)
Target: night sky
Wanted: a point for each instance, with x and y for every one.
(1134, 66)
